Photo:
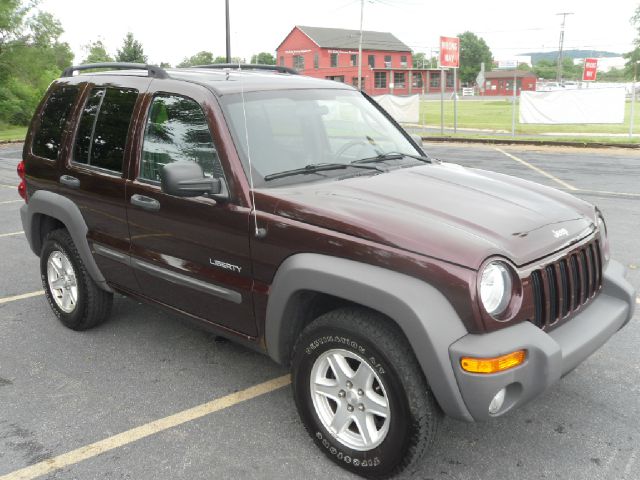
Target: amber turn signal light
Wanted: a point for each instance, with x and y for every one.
(494, 364)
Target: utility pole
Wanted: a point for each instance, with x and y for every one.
(633, 97)
(226, 11)
(559, 67)
(359, 47)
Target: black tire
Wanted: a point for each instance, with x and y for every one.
(414, 413)
(93, 304)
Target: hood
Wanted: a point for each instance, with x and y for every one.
(445, 211)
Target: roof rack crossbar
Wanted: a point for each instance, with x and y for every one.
(250, 66)
(152, 70)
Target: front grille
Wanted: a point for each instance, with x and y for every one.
(562, 287)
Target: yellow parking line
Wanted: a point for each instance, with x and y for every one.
(75, 456)
(604, 192)
(21, 297)
(10, 201)
(539, 170)
(11, 234)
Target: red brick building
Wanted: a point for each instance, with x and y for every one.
(332, 53)
(500, 82)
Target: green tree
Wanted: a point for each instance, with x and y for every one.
(131, 51)
(97, 53)
(473, 51)
(31, 56)
(263, 58)
(633, 57)
(200, 58)
(420, 60)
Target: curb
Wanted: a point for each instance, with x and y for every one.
(541, 143)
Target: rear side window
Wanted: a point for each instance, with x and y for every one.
(104, 124)
(177, 130)
(46, 141)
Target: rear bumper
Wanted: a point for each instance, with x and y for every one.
(549, 355)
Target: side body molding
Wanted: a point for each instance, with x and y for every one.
(425, 316)
(61, 208)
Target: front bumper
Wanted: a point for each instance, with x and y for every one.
(550, 355)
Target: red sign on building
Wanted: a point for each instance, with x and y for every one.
(590, 70)
(449, 52)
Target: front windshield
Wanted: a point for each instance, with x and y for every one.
(292, 129)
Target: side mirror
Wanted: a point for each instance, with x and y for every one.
(186, 179)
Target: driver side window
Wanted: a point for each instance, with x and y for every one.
(177, 130)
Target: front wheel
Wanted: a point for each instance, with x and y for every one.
(361, 394)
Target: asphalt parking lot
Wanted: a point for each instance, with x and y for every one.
(61, 391)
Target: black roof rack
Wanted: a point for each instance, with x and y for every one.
(152, 70)
(250, 66)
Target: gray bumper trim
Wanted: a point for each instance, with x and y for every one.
(549, 355)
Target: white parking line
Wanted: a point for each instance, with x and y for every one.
(21, 297)
(10, 201)
(539, 170)
(2, 185)
(89, 451)
(11, 234)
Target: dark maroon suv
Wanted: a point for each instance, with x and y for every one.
(295, 216)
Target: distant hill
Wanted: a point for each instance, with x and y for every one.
(537, 56)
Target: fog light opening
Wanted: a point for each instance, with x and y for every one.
(497, 402)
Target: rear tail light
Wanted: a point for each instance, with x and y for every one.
(22, 187)
(22, 190)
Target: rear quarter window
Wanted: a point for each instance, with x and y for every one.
(102, 131)
(53, 119)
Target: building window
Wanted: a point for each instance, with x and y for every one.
(380, 79)
(316, 60)
(354, 60)
(334, 59)
(354, 82)
(403, 61)
(387, 61)
(450, 81)
(298, 62)
(372, 61)
(434, 81)
(398, 80)
(335, 78)
(281, 61)
(417, 80)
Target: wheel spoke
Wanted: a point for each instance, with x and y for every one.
(376, 404)
(363, 377)
(66, 299)
(341, 420)
(57, 283)
(340, 367)
(367, 428)
(57, 268)
(328, 388)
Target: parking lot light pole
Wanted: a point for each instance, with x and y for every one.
(633, 97)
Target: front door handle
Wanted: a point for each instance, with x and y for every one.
(70, 181)
(147, 203)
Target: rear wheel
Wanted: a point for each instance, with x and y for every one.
(73, 295)
(361, 394)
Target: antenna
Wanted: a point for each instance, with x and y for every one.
(258, 232)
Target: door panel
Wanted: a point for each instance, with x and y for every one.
(190, 253)
(92, 177)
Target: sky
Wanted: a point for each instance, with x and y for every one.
(171, 31)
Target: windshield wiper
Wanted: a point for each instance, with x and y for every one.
(317, 167)
(391, 156)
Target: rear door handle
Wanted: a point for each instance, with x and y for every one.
(147, 203)
(70, 181)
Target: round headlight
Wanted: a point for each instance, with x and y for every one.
(603, 235)
(495, 288)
